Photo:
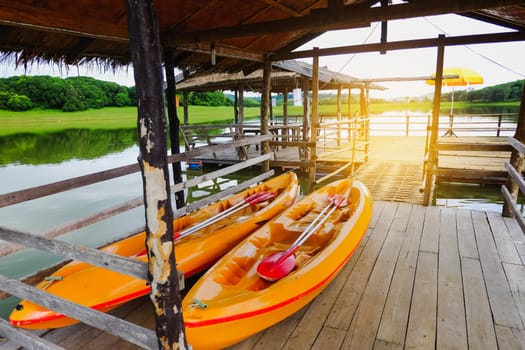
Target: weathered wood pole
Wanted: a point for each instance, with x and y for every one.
(516, 158)
(185, 102)
(265, 107)
(432, 153)
(162, 273)
(339, 113)
(306, 116)
(240, 115)
(315, 120)
(174, 123)
(285, 115)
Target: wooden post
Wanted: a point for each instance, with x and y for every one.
(285, 106)
(186, 100)
(315, 120)
(516, 158)
(352, 133)
(339, 112)
(241, 104)
(162, 273)
(349, 110)
(174, 123)
(236, 107)
(432, 152)
(306, 116)
(265, 107)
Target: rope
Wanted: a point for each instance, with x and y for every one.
(478, 53)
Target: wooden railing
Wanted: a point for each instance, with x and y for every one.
(133, 333)
(515, 179)
(415, 124)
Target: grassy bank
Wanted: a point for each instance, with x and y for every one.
(111, 118)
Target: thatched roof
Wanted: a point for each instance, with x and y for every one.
(286, 76)
(242, 32)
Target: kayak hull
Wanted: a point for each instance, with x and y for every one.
(238, 303)
(104, 290)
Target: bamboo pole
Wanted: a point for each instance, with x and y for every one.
(432, 154)
(516, 158)
(315, 121)
(162, 273)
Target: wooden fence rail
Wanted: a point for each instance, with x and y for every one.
(511, 201)
(135, 334)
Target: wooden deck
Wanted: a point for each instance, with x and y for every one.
(423, 278)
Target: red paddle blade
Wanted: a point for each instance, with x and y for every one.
(276, 266)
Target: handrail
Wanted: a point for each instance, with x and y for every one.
(514, 178)
(133, 333)
(80, 181)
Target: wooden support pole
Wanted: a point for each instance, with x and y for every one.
(285, 107)
(285, 116)
(162, 273)
(236, 106)
(315, 121)
(516, 158)
(306, 116)
(265, 107)
(241, 104)
(185, 99)
(339, 112)
(432, 155)
(174, 123)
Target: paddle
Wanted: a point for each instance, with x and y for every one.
(255, 198)
(279, 264)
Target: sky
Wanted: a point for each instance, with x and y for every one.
(497, 63)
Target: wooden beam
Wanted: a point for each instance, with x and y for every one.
(128, 266)
(406, 44)
(479, 147)
(352, 17)
(277, 4)
(220, 50)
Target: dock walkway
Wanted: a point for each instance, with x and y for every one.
(422, 278)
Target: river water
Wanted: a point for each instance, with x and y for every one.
(28, 160)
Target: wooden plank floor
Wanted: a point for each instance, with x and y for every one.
(422, 278)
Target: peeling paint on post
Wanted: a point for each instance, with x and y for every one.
(152, 126)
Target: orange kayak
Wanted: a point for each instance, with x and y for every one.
(231, 302)
(104, 290)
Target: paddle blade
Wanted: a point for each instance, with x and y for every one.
(276, 266)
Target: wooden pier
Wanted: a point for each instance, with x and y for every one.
(422, 278)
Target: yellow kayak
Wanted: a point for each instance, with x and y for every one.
(231, 301)
(103, 289)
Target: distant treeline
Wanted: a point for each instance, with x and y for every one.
(70, 94)
(496, 93)
(80, 93)
(22, 93)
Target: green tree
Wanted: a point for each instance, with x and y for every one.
(212, 98)
(19, 103)
(122, 99)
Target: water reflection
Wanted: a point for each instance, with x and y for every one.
(57, 147)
